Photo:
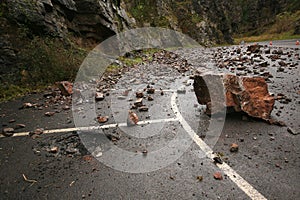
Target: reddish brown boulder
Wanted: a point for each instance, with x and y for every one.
(247, 94)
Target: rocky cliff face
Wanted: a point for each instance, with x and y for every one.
(23, 20)
(210, 22)
(86, 18)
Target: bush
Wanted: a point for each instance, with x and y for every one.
(47, 60)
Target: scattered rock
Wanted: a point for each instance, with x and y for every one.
(36, 133)
(292, 131)
(218, 176)
(102, 119)
(54, 150)
(145, 152)
(139, 94)
(66, 88)
(121, 97)
(276, 122)
(12, 121)
(28, 105)
(99, 96)
(218, 160)
(49, 114)
(234, 147)
(200, 178)
(143, 109)
(150, 90)
(113, 137)
(139, 102)
(20, 126)
(132, 118)
(8, 132)
(150, 98)
(66, 107)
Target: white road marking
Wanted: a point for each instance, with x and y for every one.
(90, 128)
(233, 175)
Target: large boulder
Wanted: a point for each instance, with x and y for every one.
(247, 94)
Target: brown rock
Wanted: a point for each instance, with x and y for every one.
(132, 119)
(139, 94)
(150, 98)
(102, 119)
(150, 90)
(54, 150)
(139, 102)
(99, 96)
(234, 147)
(248, 94)
(66, 88)
(218, 176)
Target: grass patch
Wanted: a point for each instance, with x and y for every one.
(266, 37)
(41, 62)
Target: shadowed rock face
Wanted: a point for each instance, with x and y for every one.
(87, 18)
(247, 94)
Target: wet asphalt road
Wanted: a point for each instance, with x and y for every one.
(268, 156)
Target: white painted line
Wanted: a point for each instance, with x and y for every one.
(90, 128)
(233, 175)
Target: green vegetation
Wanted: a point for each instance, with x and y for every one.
(47, 60)
(283, 28)
(138, 58)
(42, 61)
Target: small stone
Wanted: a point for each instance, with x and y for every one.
(8, 132)
(12, 121)
(54, 150)
(38, 131)
(200, 178)
(139, 94)
(121, 97)
(27, 105)
(139, 102)
(292, 131)
(218, 160)
(99, 96)
(49, 114)
(132, 118)
(145, 152)
(66, 88)
(234, 147)
(218, 176)
(150, 91)
(20, 126)
(272, 138)
(102, 119)
(143, 109)
(254, 138)
(150, 98)
(66, 107)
